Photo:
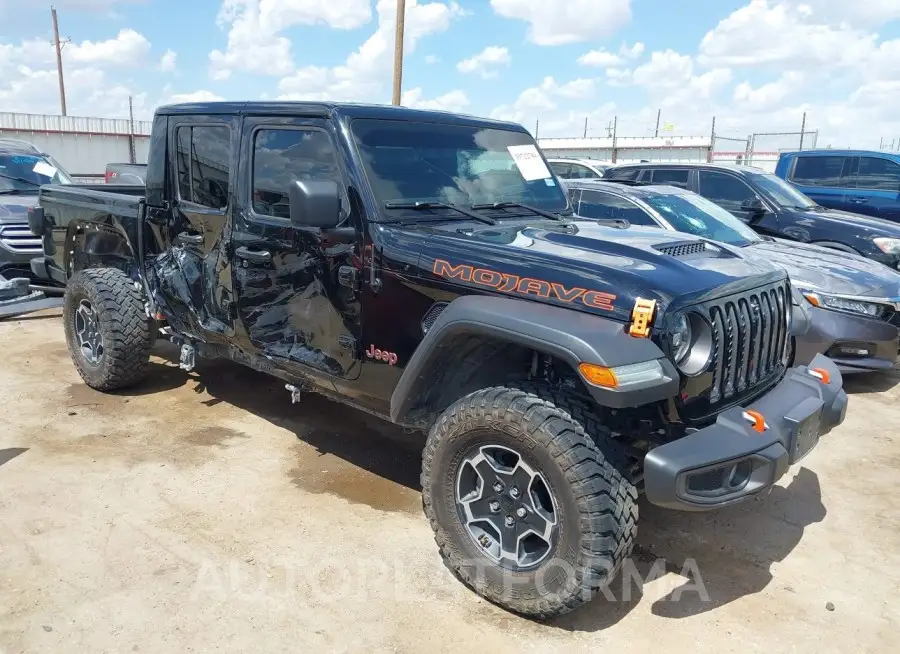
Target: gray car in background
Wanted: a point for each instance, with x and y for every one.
(850, 305)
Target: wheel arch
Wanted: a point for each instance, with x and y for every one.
(480, 341)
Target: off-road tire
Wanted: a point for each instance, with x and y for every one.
(589, 476)
(123, 323)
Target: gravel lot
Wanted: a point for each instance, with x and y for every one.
(204, 512)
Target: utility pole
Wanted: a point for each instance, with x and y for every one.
(658, 116)
(59, 66)
(131, 145)
(398, 50)
(802, 130)
(585, 126)
(614, 128)
(712, 141)
(537, 128)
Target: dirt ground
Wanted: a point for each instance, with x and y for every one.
(204, 512)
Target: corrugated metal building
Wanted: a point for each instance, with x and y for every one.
(82, 145)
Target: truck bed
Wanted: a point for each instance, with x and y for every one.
(88, 209)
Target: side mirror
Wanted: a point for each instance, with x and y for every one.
(315, 204)
(753, 206)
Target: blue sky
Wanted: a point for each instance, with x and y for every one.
(756, 65)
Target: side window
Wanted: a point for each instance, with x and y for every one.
(281, 156)
(630, 174)
(583, 172)
(725, 190)
(877, 173)
(819, 171)
(598, 205)
(560, 169)
(670, 177)
(203, 154)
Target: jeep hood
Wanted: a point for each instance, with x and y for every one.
(830, 271)
(559, 259)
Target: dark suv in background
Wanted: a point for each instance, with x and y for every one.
(773, 207)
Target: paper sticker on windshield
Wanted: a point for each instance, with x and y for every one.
(529, 162)
(45, 169)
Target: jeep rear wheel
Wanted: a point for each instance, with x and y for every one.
(529, 500)
(107, 329)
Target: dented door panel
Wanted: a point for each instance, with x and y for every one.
(291, 302)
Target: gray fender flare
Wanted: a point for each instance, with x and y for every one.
(571, 336)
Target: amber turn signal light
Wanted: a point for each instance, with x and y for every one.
(598, 375)
(642, 318)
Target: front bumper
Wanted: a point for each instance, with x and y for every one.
(844, 336)
(730, 460)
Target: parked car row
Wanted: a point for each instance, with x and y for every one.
(850, 305)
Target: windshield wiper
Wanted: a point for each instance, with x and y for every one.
(516, 205)
(423, 206)
(19, 179)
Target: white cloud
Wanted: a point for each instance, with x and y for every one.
(486, 63)
(432, 59)
(767, 95)
(541, 100)
(566, 21)
(777, 34)
(195, 96)
(455, 100)
(128, 48)
(167, 62)
(255, 43)
(599, 59)
(367, 71)
(667, 69)
(633, 52)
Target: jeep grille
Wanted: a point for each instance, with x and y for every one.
(749, 340)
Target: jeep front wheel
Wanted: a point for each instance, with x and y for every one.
(529, 500)
(107, 329)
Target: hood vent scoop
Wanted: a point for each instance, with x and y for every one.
(682, 249)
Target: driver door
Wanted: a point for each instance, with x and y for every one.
(298, 299)
(735, 196)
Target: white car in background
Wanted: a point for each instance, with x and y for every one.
(578, 168)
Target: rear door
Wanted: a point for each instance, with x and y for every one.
(875, 187)
(193, 271)
(296, 287)
(824, 178)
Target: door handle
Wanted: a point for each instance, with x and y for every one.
(190, 239)
(254, 256)
(858, 199)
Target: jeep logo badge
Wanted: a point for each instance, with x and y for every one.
(389, 358)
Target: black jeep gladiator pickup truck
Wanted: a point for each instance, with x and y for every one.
(425, 266)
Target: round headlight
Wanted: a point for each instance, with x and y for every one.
(693, 356)
(681, 337)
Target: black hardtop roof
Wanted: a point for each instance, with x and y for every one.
(325, 110)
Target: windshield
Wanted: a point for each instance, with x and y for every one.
(454, 164)
(782, 193)
(695, 214)
(26, 172)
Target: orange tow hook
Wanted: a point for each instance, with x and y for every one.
(756, 420)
